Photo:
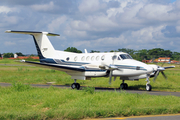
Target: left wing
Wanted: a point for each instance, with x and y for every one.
(59, 67)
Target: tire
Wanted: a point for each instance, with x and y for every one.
(125, 85)
(73, 86)
(122, 86)
(148, 87)
(77, 86)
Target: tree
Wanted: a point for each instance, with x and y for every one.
(20, 54)
(94, 51)
(129, 51)
(141, 55)
(73, 49)
(8, 55)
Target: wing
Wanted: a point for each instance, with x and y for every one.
(59, 67)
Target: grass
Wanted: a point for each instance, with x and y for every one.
(24, 102)
(14, 72)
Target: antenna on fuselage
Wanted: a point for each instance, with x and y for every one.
(85, 51)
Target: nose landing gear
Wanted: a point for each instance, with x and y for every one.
(148, 86)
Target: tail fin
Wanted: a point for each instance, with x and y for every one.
(43, 45)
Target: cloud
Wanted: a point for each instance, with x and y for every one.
(96, 24)
(4, 9)
(91, 6)
(9, 43)
(56, 23)
(44, 7)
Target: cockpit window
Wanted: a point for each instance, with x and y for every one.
(125, 56)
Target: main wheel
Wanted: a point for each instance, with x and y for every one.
(77, 86)
(73, 86)
(148, 87)
(122, 86)
(125, 85)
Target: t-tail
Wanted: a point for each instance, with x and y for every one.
(44, 47)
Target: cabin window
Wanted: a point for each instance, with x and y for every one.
(83, 58)
(75, 59)
(97, 58)
(114, 57)
(67, 59)
(92, 58)
(103, 57)
(87, 58)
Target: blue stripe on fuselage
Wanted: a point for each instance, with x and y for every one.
(62, 62)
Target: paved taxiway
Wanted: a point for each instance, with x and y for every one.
(105, 89)
(148, 117)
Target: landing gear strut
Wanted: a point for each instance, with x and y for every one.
(75, 85)
(123, 85)
(148, 86)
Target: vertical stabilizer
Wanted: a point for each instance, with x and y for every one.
(43, 45)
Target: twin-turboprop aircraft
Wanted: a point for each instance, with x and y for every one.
(84, 66)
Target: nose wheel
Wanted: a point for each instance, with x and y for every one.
(148, 86)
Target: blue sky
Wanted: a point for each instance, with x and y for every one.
(101, 25)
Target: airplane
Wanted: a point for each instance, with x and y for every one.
(84, 66)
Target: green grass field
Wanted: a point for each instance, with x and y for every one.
(12, 72)
(25, 102)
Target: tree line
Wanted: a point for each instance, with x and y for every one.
(10, 54)
(140, 55)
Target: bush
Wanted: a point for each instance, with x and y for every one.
(20, 87)
(90, 90)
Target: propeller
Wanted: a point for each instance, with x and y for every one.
(161, 69)
(110, 67)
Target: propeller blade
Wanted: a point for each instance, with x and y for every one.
(169, 67)
(110, 76)
(164, 75)
(157, 73)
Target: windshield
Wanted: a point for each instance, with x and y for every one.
(125, 56)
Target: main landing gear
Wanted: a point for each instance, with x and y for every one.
(123, 85)
(148, 86)
(75, 85)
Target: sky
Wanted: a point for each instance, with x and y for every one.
(101, 25)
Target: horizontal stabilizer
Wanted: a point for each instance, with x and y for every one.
(31, 32)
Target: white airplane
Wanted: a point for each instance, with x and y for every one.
(84, 66)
